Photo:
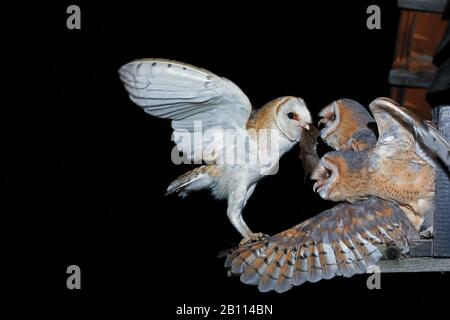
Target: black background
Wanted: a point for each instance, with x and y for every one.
(84, 179)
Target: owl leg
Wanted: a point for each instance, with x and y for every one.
(236, 202)
(249, 194)
(427, 233)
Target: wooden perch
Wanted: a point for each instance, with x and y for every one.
(415, 265)
(393, 261)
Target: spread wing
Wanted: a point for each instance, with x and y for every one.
(339, 241)
(195, 99)
(422, 132)
(346, 125)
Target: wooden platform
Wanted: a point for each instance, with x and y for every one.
(415, 265)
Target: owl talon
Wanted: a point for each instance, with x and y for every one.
(427, 233)
(254, 237)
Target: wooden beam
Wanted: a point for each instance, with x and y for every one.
(423, 5)
(421, 248)
(404, 78)
(441, 244)
(415, 265)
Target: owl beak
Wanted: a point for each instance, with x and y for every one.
(322, 121)
(303, 125)
(323, 175)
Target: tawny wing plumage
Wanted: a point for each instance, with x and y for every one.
(424, 132)
(339, 241)
(188, 95)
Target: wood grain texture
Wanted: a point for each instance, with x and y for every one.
(421, 248)
(415, 265)
(441, 246)
(423, 5)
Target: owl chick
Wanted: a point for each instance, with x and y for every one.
(347, 125)
(341, 241)
(400, 167)
(201, 103)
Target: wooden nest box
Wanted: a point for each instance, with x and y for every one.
(420, 33)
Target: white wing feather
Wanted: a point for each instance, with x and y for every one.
(187, 95)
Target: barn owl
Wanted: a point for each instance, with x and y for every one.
(341, 241)
(347, 126)
(199, 102)
(400, 167)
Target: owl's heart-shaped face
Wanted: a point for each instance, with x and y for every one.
(326, 175)
(293, 117)
(341, 121)
(342, 175)
(329, 122)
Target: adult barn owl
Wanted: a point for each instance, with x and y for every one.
(337, 242)
(198, 101)
(400, 167)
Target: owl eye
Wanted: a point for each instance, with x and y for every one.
(291, 115)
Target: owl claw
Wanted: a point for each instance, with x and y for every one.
(253, 237)
(427, 233)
